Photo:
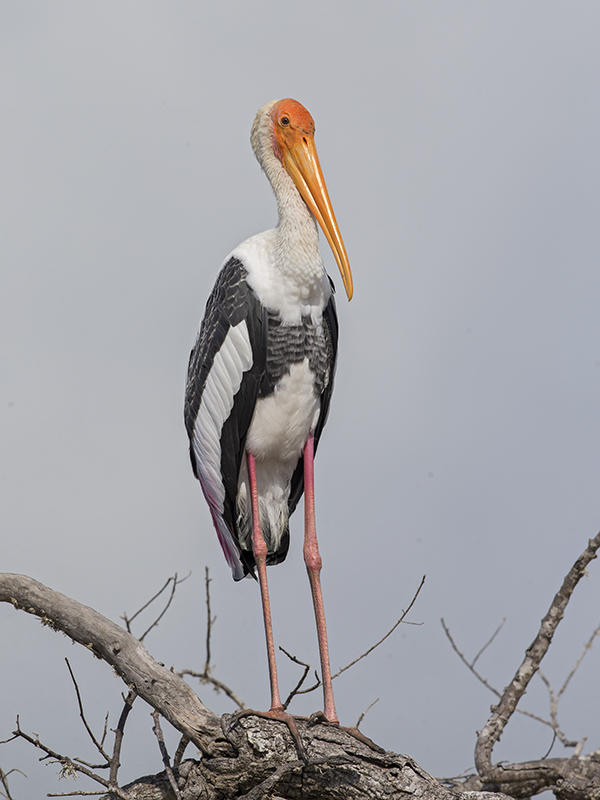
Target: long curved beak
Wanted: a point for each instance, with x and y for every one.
(302, 163)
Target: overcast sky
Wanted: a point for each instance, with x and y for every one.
(459, 141)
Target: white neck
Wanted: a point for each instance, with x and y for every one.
(296, 236)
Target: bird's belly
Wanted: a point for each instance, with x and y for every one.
(283, 420)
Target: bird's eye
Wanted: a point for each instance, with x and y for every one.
(285, 120)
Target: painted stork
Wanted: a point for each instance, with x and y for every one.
(261, 373)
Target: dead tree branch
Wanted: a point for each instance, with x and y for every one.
(470, 665)
(162, 689)
(206, 676)
(164, 754)
(386, 635)
(69, 766)
(4, 782)
(115, 761)
(97, 744)
(547, 773)
(298, 690)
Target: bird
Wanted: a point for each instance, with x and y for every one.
(261, 374)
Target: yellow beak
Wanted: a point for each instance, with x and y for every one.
(302, 163)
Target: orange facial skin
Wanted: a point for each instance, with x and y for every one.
(294, 146)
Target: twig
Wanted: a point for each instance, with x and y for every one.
(554, 715)
(175, 581)
(104, 730)
(4, 781)
(115, 761)
(305, 672)
(385, 636)
(469, 665)
(366, 711)
(209, 621)
(482, 649)
(298, 690)
(74, 794)
(183, 743)
(217, 685)
(82, 715)
(205, 676)
(312, 688)
(584, 652)
(154, 624)
(534, 654)
(69, 765)
(165, 755)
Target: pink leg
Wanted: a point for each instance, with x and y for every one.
(259, 549)
(312, 559)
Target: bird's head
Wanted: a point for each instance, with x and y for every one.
(284, 130)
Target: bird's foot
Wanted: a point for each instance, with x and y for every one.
(319, 718)
(280, 715)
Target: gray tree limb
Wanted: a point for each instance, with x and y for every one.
(158, 686)
(255, 758)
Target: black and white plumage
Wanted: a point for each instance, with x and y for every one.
(261, 374)
(244, 355)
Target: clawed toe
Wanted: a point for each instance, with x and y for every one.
(279, 715)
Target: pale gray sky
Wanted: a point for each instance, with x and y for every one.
(460, 145)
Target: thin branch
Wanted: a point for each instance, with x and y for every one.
(74, 794)
(365, 712)
(115, 761)
(534, 654)
(175, 581)
(482, 649)
(312, 688)
(385, 636)
(298, 686)
(4, 781)
(217, 685)
(469, 665)
(165, 755)
(163, 689)
(154, 624)
(587, 647)
(70, 766)
(209, 621)
(104, 730)
(183, 743)
(82, 714)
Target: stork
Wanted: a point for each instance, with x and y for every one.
(261, 374)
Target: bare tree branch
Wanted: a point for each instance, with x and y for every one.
(115, 760)
(470, 666)
(484, 647)
(386, 635)
(205, 676)
(129, 619)
(181, 747)
(586, 649)
(164, 690)
(298, 686)
(164, 754)
(501, 713)
(365, 712)
(4, 781)
(97, 744)
(70, 767)
(209, 620)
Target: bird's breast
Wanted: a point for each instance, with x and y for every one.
(297, 370)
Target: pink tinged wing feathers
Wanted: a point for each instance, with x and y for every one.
(222, 384)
